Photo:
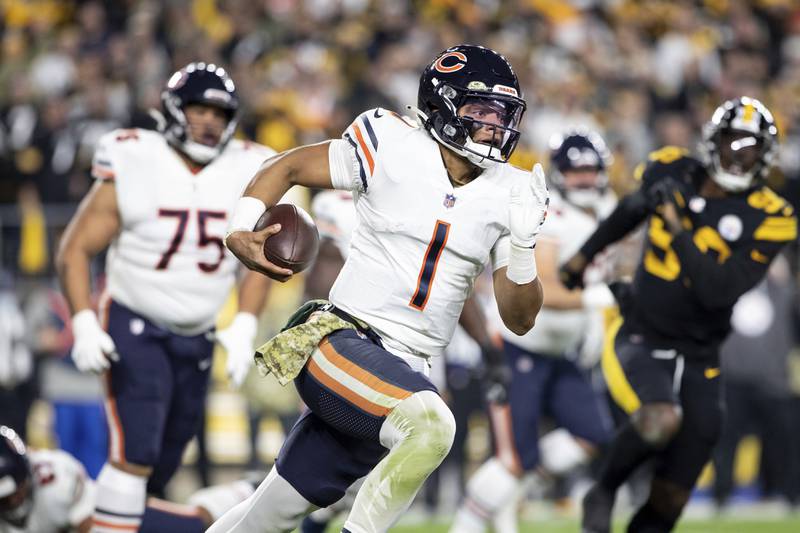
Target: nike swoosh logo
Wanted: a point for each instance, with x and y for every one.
(711, 373)
(376, 115)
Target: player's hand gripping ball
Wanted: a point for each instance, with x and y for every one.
(295, 245)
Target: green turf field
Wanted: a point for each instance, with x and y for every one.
(720, 525)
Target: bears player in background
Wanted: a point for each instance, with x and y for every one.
(435, 201)
(544, 380)
(161, 200)
(48, 491)
(713, 228)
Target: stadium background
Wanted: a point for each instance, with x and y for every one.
(644, 73)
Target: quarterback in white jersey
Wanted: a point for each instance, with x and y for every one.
(161, 201)
(435, 201)
(543, 380)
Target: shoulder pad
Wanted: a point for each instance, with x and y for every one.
(371, 132)
(779, 222)
(110, 143)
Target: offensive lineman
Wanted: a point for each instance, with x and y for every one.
(543, 379)
(713, 228)
(435, 202)
(162, 201)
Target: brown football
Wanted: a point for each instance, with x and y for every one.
(295, 245)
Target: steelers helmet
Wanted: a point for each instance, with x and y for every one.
(739, 144)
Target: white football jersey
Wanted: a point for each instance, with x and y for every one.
(419, 243)
(169, 262)
(63, 495)
(335, 217)
(557, 331)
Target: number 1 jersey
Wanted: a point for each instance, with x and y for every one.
(419, 243)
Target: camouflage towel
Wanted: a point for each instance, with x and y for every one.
(286, 353)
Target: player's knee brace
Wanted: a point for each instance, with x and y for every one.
(425, 425)
(657, 423)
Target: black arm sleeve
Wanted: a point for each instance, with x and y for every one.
(720, 285)
(629, 213)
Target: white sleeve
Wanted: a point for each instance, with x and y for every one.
(345, 169)
(102, 160)
(500, 251)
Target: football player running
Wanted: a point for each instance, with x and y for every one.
(543, 379)
(713, 228)
(435, 201)
(48, 491)
(161, 200)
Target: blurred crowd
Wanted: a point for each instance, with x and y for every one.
(643, 73)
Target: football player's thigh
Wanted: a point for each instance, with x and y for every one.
(190, 358)
(577, 407)
(138, 388)
(530, 374)
(634, 377)
(352, 383)
(191, 364)
(687, 454)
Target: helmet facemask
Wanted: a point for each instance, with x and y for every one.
(469, 101)
(178, 134)
(16, 508)
(738, 159)
(492, 117)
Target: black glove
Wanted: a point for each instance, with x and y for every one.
(667, 192)
(571, 272)
(497, 375)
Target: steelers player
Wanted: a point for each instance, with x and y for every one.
(713, 228)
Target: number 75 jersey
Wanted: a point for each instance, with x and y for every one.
(168, 261)
(419, 243)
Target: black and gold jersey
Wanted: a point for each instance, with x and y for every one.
(685, 286)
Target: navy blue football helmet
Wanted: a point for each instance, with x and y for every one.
(16, 490)
(468, 74)
(576, 150)
(198, 83)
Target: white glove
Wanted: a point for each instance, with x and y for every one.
(237, 339)
(93, 347)
(597, 296)
(528, 208)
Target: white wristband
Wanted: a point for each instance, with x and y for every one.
(245, 214)
(84, 322)
(521, 265)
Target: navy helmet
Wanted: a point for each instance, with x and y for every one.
(467, 74)
(16, 492)
(576, 150)
(198, 83)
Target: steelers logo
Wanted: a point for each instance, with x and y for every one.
(730, 227)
